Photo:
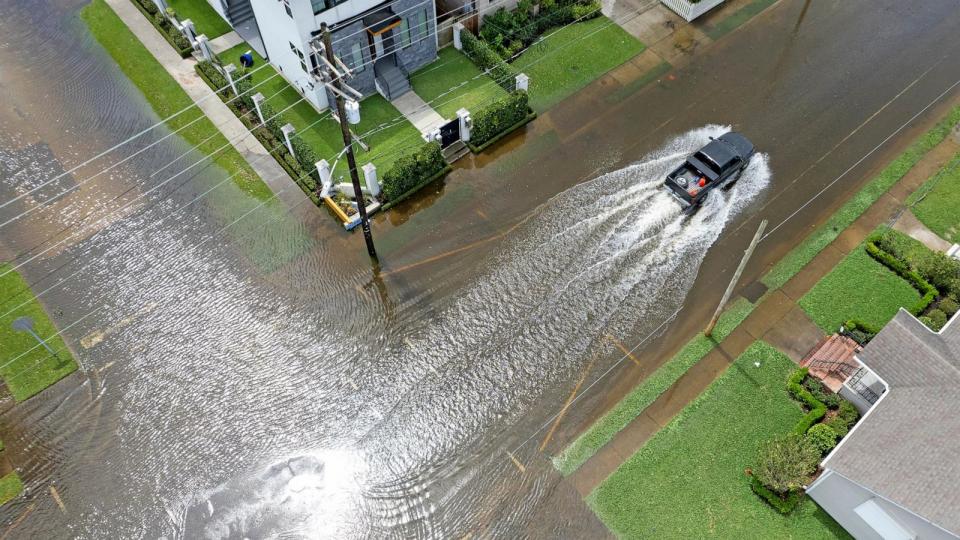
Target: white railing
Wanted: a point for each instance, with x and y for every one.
(691, 10)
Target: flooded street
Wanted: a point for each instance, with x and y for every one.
(245, 373)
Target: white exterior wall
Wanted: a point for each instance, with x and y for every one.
(839, 496)
(279, 30)
(342, 12)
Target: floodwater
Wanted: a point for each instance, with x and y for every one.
(246, 374)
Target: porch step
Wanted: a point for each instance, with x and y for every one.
(392, 81)
(455, 151)
(239, 11)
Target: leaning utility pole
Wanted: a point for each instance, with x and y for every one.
(736, 278)
(336, 80)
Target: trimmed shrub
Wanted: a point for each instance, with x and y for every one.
(411, 170)
(585, 12)
(487, 60)
(949, 306)
(306, 157)
(817, 409)
(848, 413)
(148, 6)
(821, 393)
(784, 504)
(939, 269)
(935, 319)
(784, 464)
(838, 425)
(823, 437)
(499, 117)
(214, 78)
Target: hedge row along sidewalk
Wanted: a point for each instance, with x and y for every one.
(27, 374)
(611, 423)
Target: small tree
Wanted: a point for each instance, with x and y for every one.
(785, 464)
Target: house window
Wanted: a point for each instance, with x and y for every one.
(299, 53)
(286, 7)
(422, 26)
(404, 31)
(318, 5)
(356, 58)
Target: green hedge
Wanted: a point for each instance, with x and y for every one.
(159, 21)
(782, 505)
(817, 409)
(510, 32)
(487, 60)
(411, 169)
(928, 291)
(498, 117)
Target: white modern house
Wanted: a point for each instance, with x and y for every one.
(381, 41)
(895, 475)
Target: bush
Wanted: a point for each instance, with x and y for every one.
(823, 437)
(817, 408)
(939, 269)
(821, 393)
(784, 505)
(180, 41)
(305, 156)
(411, 170)
(213, 76)
(585, 12)
(487, 59)
(838, 425)
(784, 464)
(149, 6)
(949, 306)
(848, 413)
(499, 117)
(935, 319)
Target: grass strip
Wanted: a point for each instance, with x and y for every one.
(803, 253)
(573, 57)
(688, 480)
(606, 428)
(204, 18)
(34, 371)
(453, 69)
(871, 293)
(10, 487)
(937, 202)
(165, 96)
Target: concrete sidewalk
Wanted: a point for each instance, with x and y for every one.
(421, 115)
(222, 117)
(226, 42)
(778, 320)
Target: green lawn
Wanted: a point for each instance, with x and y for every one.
(858, 288)
(205, 19)
(688, 481)
(805, 251)
(573, 57)
(607, 426)
(10, 487)
(939, 209)
(473, 89)
(325, 137)
(165, 95)
(32, 372)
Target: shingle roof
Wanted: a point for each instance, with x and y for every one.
(908, 448)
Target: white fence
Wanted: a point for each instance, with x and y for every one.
(690, 10)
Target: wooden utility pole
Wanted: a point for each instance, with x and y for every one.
(348, 142)
(736, 278)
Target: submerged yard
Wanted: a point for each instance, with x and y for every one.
(688, 481)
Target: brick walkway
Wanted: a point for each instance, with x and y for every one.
(777, 320)
(222, 117)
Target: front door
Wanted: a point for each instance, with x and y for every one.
(377, 45)
(450, 133)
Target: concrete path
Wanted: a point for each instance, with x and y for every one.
(911, 226)
(225, 42)
(218, 113)
(421, 115)
(778, 320)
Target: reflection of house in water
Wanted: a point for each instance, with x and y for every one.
(381, 41)
(895, 475)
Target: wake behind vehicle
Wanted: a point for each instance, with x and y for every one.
(718, 164)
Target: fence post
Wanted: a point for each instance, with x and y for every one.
(257, 99)
(204, 45)
(370, 175)
(228, 71)
(287, 130)
(523, 82)
(326, 178)
(457, 43)
(465, 124)
(189, 31)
